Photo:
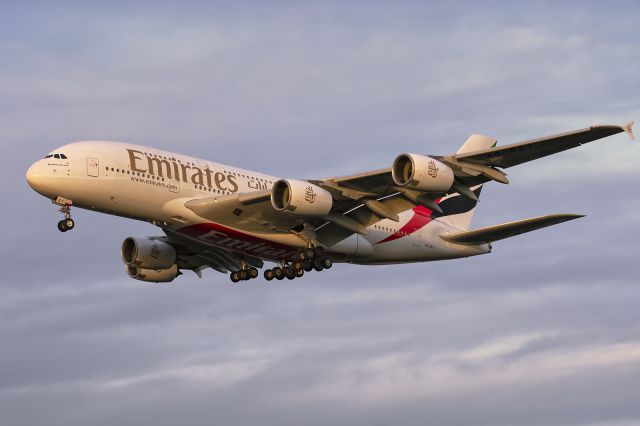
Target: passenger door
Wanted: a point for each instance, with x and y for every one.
(93, 167)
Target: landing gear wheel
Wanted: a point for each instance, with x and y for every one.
(327, 263)
(235, 277)
(297, 265)
(289, 273)
(278, 273)
(67, 223)
(299, 273)
(317, 264)
(307, 265)
(309, 253)
(253, 272)
(244, 274)
(269, 275)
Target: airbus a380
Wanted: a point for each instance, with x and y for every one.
(233, 220)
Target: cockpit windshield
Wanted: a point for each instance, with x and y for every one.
(60, 156)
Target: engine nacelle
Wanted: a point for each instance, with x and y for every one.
(153, 275)
(300, 198)
(147, 254)
(422, 173)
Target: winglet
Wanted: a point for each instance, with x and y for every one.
(628, 129)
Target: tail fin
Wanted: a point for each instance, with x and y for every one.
(458, 210)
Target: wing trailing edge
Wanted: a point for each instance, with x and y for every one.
(507, 230)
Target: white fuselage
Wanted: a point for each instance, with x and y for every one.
(152, 185)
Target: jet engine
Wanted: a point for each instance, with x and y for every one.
(147, 254)
(300, 198)
(422, 173)
(153, 275)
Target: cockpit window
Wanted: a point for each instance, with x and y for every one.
(64, 157)
(49, 156)
(56, 155)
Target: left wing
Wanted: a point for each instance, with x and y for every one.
(522, 152)
(507, 230)
(363, 199)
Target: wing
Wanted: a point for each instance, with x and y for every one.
(507, 230)
(522, 152)
(361, 200)
(473, 165)
(196, 256)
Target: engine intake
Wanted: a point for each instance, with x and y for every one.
(147, 254)
(153, 275)
(301, 198)
(422, 173)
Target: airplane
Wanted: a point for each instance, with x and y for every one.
(234, 220)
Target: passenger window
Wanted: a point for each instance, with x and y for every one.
(56, 156)
(64, 157)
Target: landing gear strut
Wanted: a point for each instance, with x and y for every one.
(67, 223)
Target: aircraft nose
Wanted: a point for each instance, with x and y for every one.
(35, 176)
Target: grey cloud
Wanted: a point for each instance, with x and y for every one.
(542, 331)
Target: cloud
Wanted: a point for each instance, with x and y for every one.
(542, 331)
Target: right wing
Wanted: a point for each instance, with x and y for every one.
(195, 256)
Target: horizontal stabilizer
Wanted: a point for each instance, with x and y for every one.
(507, 230)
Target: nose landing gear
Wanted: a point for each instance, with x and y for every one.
(67, 223)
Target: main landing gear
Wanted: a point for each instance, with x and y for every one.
(306, 261)
(67, 223)
(244, 274)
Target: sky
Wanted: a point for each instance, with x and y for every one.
(543, 331)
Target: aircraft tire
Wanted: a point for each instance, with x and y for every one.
(289, 272)
(235, 277)
(269, 275)
(309, 253)
(299, 273)
(327, 263)
(307, 265)
(61, 226)
(69, 224)
(253, 273)
(317, 264)
(278, 273)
